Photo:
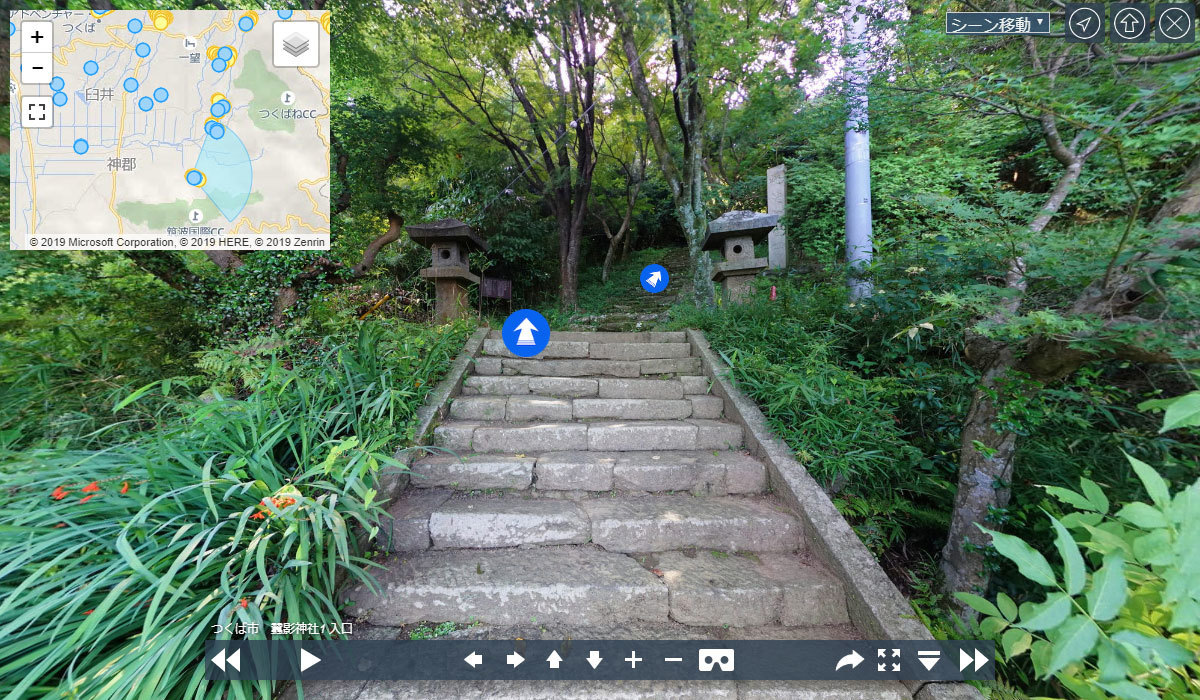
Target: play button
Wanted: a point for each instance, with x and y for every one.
(308, 660)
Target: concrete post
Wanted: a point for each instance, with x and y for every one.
(776, 201)
(859, 241)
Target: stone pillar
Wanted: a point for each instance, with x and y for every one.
(450, 242)
(734, 234)
(776, 201)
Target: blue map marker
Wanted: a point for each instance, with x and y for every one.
(525, 333)
(655, 278)
(91, 67)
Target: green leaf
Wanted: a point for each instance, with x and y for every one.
(1094, 495)
(1073, 641)
(1182, 411)
(1029, 561)
(1047, 615)
(1111, 661)
(1015, 642)
(978, 604)
(1125, 690)
(1070, 497)
(1074, 574)
(1007, 607)
(1155, 486)
(1142, 515)
(1166, 651)
(991, 627)
(1154, 548)
(1039, 653)
(1108, 591)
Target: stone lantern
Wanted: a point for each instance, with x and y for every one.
(734, 234)
(450, 241)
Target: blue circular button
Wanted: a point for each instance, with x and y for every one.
(245, 24)
(135, 25)
(57, 84)
(142, 49)
(131, 85)
(218, 65)
(525, 333)
(146, 104)
(60, 99)
(160, 94)
(224, 53)
(80, 146)
(91, 67)
(655, 278)
(285, 14)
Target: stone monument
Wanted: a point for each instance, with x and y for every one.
(734, 234)
(776, 200)
(450, 241)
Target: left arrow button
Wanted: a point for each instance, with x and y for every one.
(219, 659)
(235, 660)
(474, 659)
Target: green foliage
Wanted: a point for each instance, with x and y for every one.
(238, 511)
(1121, 618)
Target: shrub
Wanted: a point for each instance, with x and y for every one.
(1123, 617)
(122, 562)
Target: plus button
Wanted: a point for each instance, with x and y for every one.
(633, 659)
(37, 36)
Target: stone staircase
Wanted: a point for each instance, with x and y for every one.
(598, 492)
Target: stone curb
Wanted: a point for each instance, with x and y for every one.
(877, 608)
(436, 405)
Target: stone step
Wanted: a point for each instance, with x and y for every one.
(620, 436)
(602, 337)
(661, 523)
(485, 523)
(529, 407)
(603, 690)
(577, 585)
(564, 349)
(497, 366)
(583, 586)
(713, 588)
(700, 473)
(586, 387)
(620, 524)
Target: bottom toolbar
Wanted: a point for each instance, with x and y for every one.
(941, 660)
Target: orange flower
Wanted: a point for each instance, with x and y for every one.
(91, 488)
(89, 612)
(245, 602)
(59, 493)
(258, 516)
(124, 487)
(85, 499)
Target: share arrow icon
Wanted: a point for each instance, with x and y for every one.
(853, 659)
(654, 278)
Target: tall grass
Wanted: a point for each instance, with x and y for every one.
(121, 562)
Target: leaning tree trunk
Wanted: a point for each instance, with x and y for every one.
(985, 462)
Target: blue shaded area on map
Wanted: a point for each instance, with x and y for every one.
(226, 165)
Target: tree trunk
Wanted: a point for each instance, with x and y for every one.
(687, 182)
(985, 462)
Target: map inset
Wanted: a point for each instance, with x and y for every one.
(169, 130)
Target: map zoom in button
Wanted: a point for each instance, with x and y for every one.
(1085, 22)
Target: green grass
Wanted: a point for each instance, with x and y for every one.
(120, 561)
